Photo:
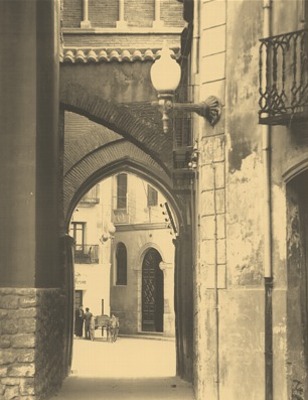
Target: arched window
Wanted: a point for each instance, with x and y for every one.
(121, 191)
(121, 259)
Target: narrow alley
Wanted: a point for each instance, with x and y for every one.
(131, 368)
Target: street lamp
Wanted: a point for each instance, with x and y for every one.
(108, 235)
(165, 77)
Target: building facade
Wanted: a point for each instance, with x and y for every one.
(89, 221)
(142, 269)
(124, 255)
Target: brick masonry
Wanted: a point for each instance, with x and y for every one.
(31, 342)
(137, 13)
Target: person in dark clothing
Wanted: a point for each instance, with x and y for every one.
(79, 318)
(87, 318)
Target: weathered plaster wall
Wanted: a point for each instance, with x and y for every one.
(118, 82)
(242, 344)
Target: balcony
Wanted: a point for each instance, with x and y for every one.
(283, 75)
(86, 254)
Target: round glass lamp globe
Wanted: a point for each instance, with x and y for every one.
(165, 73)
(111, 229)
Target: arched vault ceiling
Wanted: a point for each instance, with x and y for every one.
(82, 137)
(138, 123)
(106, 158)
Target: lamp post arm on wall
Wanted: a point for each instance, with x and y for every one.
(165, 77)
(209, 109)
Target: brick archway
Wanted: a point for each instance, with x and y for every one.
(107, 160)
(139, 123)
(134, 143)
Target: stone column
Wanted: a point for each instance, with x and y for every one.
(121, 23)
(29, 78)
(85, 23)
(31, 300)
(157, 23)
(169, 318)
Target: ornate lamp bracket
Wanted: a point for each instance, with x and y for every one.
(210, 109)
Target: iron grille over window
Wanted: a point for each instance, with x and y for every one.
(152, 197)
(121, 259)
(121, 191)
(283, 78)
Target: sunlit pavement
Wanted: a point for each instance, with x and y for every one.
(131, 368)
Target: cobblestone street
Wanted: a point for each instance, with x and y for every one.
(131, 368)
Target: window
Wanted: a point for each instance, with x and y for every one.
(121, 191)
(152, 197)
(78, 233)
(78, 299)
(121, 260)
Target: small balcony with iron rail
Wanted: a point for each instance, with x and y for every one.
(283, 76)
(86, 254)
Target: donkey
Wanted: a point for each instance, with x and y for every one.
(111, 324)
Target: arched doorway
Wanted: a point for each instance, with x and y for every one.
(152, 292)
(297, 280)
(105, 152)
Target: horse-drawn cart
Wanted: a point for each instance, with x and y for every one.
(109, 324)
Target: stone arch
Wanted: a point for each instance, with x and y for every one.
(145, 248)
(143, 152)
(297, 166)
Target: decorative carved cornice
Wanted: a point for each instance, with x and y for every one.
(165, 266)
(100, 55)
(141, 227)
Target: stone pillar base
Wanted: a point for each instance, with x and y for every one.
(121, 25)
(85, 24)
(31, 342)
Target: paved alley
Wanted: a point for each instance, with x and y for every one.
(131, 368)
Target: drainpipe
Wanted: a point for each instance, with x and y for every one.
(195, 40)
(268, 273)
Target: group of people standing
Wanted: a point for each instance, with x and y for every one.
(86, 318)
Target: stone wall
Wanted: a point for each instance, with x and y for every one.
(31, 342)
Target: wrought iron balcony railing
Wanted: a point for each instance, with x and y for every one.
(283, 75)
(86, 254)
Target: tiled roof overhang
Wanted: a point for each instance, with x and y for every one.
(100, 55)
